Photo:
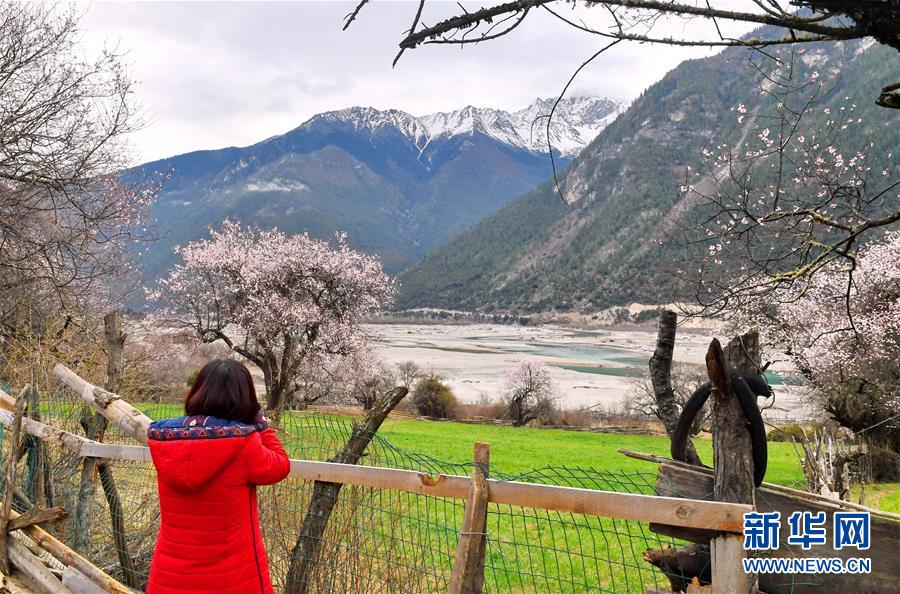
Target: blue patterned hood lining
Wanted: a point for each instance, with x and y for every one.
(197, 427)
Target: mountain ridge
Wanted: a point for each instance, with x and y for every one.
(398, 184)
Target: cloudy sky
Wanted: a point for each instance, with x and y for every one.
(216, 74)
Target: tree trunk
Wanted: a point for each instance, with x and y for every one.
(661, 378)
(732, 447)
(116, 514)
(325, 495)
(732, 453)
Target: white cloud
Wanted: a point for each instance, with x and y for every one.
(217, 74)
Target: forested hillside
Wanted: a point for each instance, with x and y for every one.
(616, 243)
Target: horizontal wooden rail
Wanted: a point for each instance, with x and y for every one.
(711, 515)
(673, 511)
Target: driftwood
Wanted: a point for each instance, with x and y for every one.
(79, 583)
(69, 557)
(108, 404)
(324, 496)
(34, 571)
(37, 515)
(661, 378)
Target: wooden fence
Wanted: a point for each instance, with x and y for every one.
(476, 490)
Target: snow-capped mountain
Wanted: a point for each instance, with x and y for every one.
(575, 122)
(398, 184)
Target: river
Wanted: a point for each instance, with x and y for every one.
(589, 367)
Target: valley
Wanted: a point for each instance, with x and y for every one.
(591, 368)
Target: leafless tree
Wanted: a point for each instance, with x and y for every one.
(407, 374)
(65, 214)
(685, 380)
(797, 21)
(367, 387)
(528, 392)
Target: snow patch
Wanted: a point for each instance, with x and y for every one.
(864, 45)
(576, 122)
(275, 185)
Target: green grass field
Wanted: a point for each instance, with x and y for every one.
(521, 449)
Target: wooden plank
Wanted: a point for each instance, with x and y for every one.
(767, 487)
(115, 451)
(467, 576)
(79, 583)
(77, 444)
(40, 578)
(725, 517)
(713, 515)
(111, 406)
(664, 510)
(676, 480)
(382, 478)
(728, 575)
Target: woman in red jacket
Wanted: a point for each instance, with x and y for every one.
(208, 464)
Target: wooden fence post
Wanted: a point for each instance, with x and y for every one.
(733, 456)
(9, 472)
(468, 567)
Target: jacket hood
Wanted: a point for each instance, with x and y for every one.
(190, 451)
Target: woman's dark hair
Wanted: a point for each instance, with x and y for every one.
(224, 389)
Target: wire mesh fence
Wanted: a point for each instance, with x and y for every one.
(377, 541)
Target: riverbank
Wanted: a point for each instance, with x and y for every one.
(595, 367)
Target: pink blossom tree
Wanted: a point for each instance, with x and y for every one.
(795, 227)
(528, 391)
(850, 350)
(800, 193)
(285, 303)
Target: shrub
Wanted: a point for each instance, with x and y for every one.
(433, 398)
(793, 432)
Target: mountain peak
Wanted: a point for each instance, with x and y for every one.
(576, 121)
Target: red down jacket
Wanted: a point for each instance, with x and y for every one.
(209, 536)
